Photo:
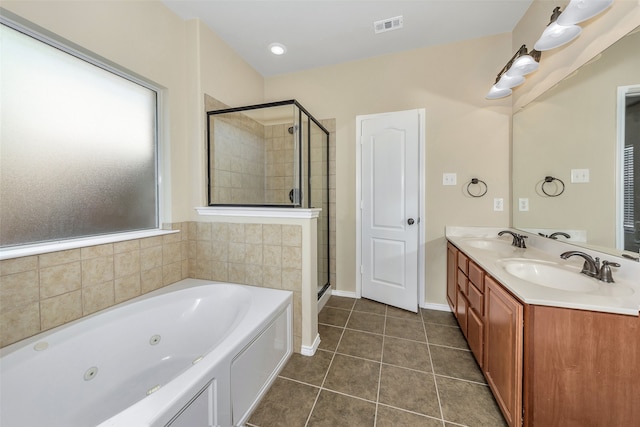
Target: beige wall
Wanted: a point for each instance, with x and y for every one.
(464, 134)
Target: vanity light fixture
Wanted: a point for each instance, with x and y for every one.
(512, 74)
(556, 35)
(277, 49)
(561, 30)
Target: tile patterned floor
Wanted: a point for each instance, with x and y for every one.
(381, 366)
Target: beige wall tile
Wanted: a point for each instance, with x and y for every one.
(97, 270)
(236, 253)
(127, 287)
(236, 233)
(150, 280)
(291, 257)
(220, 231)
(150, 242)
(150, 258)
(272, 255)
(125, 264)
(272, 234)
(220, 271)
(60, 309)
(203, 269)
(220, 251)
(204, 249)
(236, 273)
(292, 279)
(96, 251)
(18, 265)
(171, 252)
(126, 246)
(272, 277)
(192, 251)
(291, 235)
(61, 257)
(171, 273)
(253, 233)
(203, 231)
(97, 297)
(253, 275)
(19, 289)
(19, 323)
(60, 279)
(171, 238)
(192, 232)
(253, 254)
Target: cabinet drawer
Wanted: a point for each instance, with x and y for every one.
(476, 275)
(463, 263)
(463, 283)
(476, 299)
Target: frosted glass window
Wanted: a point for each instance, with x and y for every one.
(78, 149)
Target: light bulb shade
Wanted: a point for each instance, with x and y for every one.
(522, 66)
(581, 10)
(556, 35)
(507, 82)
(495, 93)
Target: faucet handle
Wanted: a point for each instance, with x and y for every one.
(521, 241)
(605, 271)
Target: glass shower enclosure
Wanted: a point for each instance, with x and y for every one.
(271, 155)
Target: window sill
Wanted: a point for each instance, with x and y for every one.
(259, 212)
(63, 245)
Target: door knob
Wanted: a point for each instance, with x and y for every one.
(410, 221)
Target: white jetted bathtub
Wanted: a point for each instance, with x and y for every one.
(195, 353)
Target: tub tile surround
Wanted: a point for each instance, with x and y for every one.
(364, 378)
(40, 292)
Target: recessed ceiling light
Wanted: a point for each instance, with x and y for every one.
(277, 48)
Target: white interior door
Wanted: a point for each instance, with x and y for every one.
(390, 208)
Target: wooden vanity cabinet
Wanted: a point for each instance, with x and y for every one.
(549, 366)
(452, 268)
(503, 347)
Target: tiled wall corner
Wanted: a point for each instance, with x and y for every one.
(265, 255)
(41, 292)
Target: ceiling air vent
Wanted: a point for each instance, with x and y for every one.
(388, 24)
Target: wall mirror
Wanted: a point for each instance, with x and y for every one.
(576, 132)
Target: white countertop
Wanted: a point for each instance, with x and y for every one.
(606, 298)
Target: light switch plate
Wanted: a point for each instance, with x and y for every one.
(579, 176)
(523, 204)
(498, 204)
(449, 179)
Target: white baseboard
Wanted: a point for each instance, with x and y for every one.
(439, 307)
(343, 294)
(306, 350)
(323, 299)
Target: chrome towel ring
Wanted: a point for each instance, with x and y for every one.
(549, 179)
(480, 183)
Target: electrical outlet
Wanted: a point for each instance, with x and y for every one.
(498, 204)
(523, 204)
(449, 179)
(579, 176)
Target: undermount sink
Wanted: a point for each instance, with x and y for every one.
(489, 244)
(550, 275)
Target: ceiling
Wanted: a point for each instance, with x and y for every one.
(325, 32)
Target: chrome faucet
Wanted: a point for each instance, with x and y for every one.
(555, 235)
(591, 266)
(518, 239)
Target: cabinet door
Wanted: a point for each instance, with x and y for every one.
(461, 312)
(452, 269)
(503, 350)
(475, 335)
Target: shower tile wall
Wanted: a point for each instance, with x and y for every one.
(238, 160)
(279, 163)
(266, 255)
(41, 292)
